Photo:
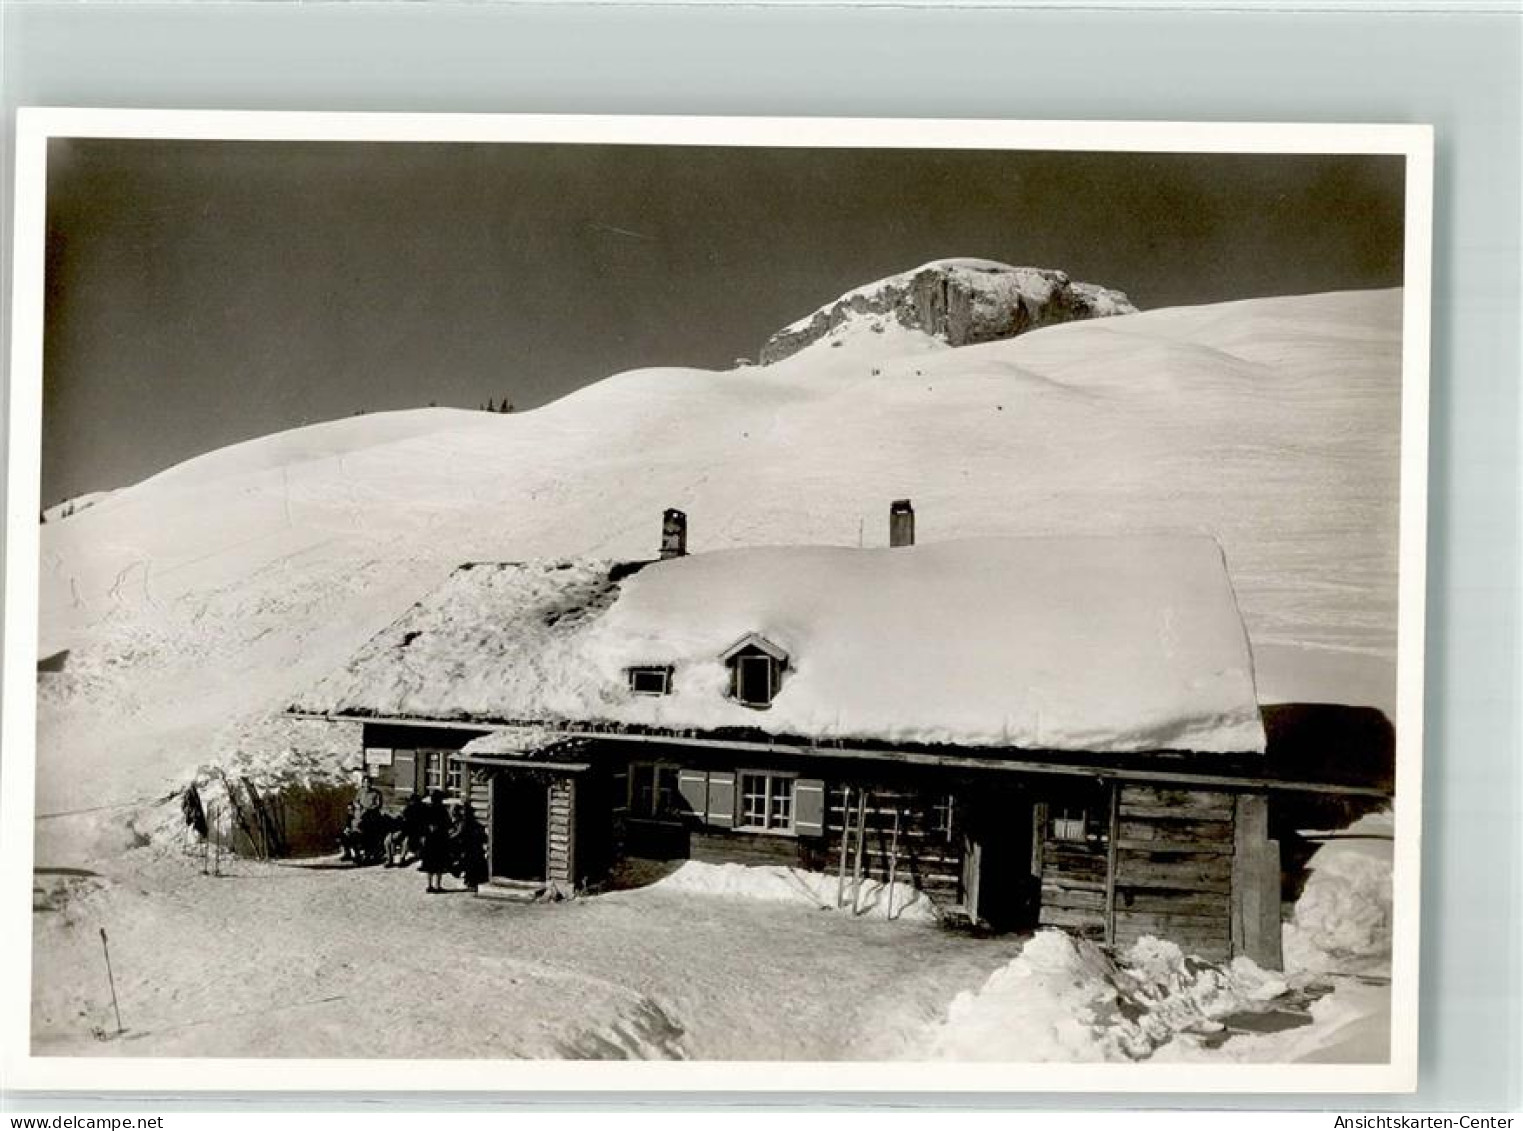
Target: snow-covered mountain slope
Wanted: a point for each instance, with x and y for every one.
(70, 507)
(957, 301)
(197, 602)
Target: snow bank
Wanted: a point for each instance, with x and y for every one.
(1064, 1000)
(1083, 644)
(774, 883)
(1342, 921)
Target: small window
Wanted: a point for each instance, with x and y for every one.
(943, 813)
(454, 777)
(650, 680)
(1070, 823)
(766, 802)
(433, 770)
(755, 680)
(653, 791)
(756, 670)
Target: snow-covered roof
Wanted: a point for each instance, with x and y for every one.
(1106, 644)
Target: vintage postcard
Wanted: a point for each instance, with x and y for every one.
(544, 602)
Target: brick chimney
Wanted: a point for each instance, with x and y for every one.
(901, 523)
(673, 534)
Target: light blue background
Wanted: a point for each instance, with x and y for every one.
(1459, 71)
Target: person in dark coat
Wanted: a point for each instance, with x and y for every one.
(406, 838)
(470, 848)
(372, 835)
(436, 841)
(349, 840)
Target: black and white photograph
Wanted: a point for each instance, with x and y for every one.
(912, 597)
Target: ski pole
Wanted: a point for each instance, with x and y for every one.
(111, 980)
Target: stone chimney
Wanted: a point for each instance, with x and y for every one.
(673, 534)
(901, 523)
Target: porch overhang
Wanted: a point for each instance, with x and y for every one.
(524, 765)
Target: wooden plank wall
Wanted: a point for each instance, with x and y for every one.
(745, 848)
(478, 792)
(1174, 866)
(1073, 873)
(560, 864)
(928, 858)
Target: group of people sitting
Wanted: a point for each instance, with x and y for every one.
(425, 830)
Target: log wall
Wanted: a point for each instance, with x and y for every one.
(1073, 872)
(1174, 851)
(560, 861)
(744, 848)
(929, 857)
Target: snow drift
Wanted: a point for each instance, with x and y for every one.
(1342, 920)
(1064, 999)
(771, 883)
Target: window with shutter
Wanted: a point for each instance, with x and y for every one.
(809, 807)
(693, 793)
(433, 770)
(766, 801)
(653, 790)
(721, 799)
(404, 772)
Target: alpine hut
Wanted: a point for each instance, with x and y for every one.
(1032, 731)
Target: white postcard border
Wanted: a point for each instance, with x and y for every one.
(23, 1071)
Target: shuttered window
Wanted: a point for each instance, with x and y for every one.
(809, 807)
(620, 792)
(404, 771)
(766, 801)
(693, 792)
(721, 799)
(653, 790)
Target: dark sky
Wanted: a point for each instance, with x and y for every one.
(201, 293)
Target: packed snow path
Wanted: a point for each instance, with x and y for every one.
(316, 960)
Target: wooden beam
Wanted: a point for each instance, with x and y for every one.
(1002, 765)
(903, 757)
(494, 762)
(1255, 929)
(1110, 864)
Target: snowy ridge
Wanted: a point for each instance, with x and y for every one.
(197, 605)
(957, 301)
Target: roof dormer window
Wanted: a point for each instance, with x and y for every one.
(649, 679)
(756, 670)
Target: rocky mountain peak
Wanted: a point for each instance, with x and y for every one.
(960, 301)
